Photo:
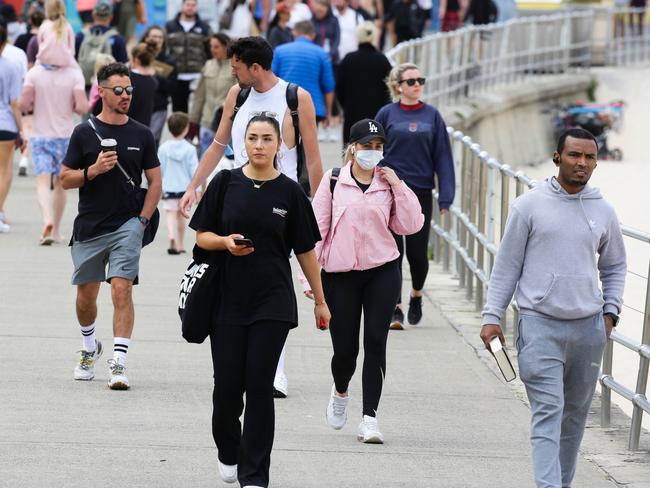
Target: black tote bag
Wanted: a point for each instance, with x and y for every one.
(199, 291)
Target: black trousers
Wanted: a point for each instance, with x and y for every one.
(181, 96)
(347, 294)
(244, 360)
(417, 247)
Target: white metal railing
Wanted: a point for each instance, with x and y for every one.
(476, 59)
(466, 240)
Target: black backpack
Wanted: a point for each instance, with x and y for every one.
(292, 103)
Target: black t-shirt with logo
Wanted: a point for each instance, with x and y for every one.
(278, 218)
(105, 203)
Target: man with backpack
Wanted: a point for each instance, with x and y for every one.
(259, 90)
(100, 38)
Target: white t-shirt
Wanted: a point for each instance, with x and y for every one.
(348, 22)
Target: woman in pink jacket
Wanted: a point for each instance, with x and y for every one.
(356, 214)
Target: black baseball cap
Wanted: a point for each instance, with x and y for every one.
(366, 130)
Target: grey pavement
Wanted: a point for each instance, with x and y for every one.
(449, 421)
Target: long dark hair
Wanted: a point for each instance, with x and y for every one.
(268, 120)
(163, 48)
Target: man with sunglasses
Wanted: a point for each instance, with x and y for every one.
(109, 227)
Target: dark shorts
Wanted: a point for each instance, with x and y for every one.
(6, 135)
(119, 251)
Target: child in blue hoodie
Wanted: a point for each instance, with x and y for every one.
(178, 162)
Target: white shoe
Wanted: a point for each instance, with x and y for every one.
(280, 386)
(85, 369)
(368, 431)
(228, 473)
(336, 413)
(4, 228)
(117, 379)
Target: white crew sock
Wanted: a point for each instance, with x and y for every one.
(120, 348)
(88, 334)
(24, 162)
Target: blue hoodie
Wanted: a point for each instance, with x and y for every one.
(554, 249)
(178, 163)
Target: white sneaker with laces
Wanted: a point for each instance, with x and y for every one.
(280, 386)
(228, 473)
(117, 379)
(368, 431)
(336, 413)
(85, 369)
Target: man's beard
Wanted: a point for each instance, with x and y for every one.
(121, 111)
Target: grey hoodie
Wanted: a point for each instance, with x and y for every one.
(553, 249)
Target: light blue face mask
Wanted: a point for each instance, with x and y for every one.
(369, 158)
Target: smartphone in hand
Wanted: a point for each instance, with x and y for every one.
(243, 242)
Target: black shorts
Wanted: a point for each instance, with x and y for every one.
(7, 135)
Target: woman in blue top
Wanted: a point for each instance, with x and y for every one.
(418, 148)
(10, 123)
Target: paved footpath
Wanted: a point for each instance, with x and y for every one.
(449, 421)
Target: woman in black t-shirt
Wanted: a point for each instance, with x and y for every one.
(144, 81)
(257, 303)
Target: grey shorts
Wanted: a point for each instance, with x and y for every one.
(120, 250)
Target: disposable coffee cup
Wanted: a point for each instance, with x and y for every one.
(108, 145)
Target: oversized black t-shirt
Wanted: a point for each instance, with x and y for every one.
(278, 218)
(105, 203)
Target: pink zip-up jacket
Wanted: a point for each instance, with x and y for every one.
(356, 226)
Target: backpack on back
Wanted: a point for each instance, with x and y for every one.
(92, 45)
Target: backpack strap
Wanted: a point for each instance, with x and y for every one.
(334, 178)
(292, 103)
(241, 98)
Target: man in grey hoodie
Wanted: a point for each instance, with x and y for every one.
(559, 239)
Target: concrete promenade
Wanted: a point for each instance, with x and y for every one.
(449, 421)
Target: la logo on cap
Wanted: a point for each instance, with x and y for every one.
(372, 127)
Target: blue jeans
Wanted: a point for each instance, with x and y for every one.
(559, 363)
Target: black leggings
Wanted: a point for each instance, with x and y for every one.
(417, 247)
(244, 360)
(374, 291)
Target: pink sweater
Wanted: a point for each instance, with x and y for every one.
(58, 52)
(356, 226)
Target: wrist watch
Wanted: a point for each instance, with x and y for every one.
(143, 220)
(615, 318)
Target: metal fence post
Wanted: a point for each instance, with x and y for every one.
(606, 392)
(642, 378)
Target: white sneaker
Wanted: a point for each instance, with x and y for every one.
(227, 473)
(4, 228)
(117, 379)
(85, 369)
(368, 431)
(336, 413)
(280, 386)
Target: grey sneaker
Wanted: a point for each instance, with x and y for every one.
(117, 379)
(336, 412)
(85, 369)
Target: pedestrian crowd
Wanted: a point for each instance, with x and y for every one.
(249, 105)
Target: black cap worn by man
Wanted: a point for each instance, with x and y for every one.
(366, 130)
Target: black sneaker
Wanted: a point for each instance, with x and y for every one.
(397, 323)
(415, 310)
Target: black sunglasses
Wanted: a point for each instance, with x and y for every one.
(413, 81)
(118, 90)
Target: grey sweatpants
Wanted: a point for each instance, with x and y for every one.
(559, 363)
